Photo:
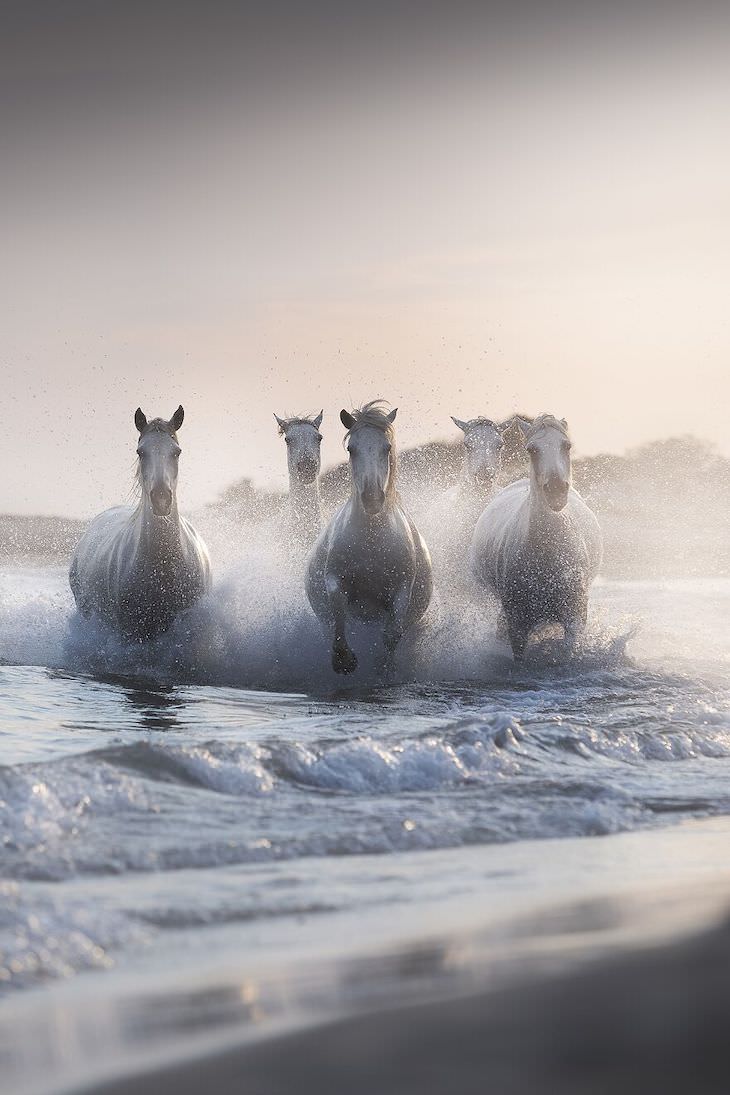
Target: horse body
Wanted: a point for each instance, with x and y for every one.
(370, 562)
(537, 545)
(138, 567)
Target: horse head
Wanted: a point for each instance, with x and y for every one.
(482, 449)
(548, 446)
(303, 442)
(158, 452)
(370, 441)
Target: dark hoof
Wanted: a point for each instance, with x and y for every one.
(344, 661)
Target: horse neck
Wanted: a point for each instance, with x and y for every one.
(546, 526)
(305, 504)
(159, 536)
(474, 495)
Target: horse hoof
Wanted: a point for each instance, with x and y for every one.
(344, 661)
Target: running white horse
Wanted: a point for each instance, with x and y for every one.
(449, 518)
(538, 545)
(371, 561)
(483, 446)
(138, 567)
(303, 441)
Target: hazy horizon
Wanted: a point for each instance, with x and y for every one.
(472, 210)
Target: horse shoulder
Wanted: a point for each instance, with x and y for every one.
(105, 531)
(196, 554)
(587, 530)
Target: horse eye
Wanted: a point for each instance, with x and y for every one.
(319, 436)
(531, 450)
(287, 440)
(567, 446)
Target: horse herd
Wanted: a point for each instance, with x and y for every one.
(536, 546)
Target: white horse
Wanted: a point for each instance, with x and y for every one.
(538, 545)
(138, 567)
(371, 560)
(450, 517)
(483, 446)
(303, 441)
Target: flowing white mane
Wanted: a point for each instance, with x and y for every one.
(545, 422)
(372, 414)
(297, 420)
(480, 420)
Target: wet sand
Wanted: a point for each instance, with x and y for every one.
(653, 1020)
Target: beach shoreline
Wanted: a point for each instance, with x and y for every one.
(612, 990)
(640, 1021)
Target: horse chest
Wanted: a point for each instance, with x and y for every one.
(371, 571)
(540, 586)
(156, 588)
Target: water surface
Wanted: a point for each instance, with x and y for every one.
(220, 801)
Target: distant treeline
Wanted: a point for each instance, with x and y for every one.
(42, 539)
(664, 507)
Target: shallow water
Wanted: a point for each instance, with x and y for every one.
(223, 796)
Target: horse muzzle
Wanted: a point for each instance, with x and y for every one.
(307, 471)
(372, 500)
(484, 477)
(161, 500)
(556, 494)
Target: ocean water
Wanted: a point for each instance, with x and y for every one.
(219, 803)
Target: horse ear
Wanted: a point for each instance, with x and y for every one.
(563, 423)
(504, 426)
(140, 419)
(317, 422)
(177, 419)
(282, 423)
(346, 419)
(522, 425)
(391, 416)
(462, 425)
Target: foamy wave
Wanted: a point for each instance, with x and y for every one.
(239, 771)
(471, 781)
(44, 937)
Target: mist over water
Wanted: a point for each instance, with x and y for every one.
(257, 630)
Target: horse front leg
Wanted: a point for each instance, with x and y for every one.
(517, 633)
(343, 658)
(395, 623)
(574, 625)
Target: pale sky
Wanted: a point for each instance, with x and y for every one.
(463, 208)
